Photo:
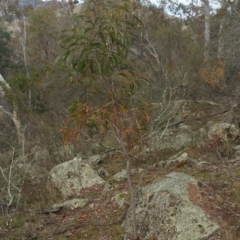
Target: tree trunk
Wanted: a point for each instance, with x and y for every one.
(15, 118)
(207, 28)
(220, 39)
(24, 48)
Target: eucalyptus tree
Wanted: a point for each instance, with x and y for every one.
(96, 49)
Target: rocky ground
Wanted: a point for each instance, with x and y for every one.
(214, 162)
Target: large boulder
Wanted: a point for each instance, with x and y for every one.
(71, 176)
(164, 211)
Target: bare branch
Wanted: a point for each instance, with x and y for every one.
(151, 49)
(6, 111)
(2, 80)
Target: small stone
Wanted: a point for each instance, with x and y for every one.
(219, 199)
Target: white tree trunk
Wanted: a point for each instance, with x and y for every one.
(24, 48)
(207, 28)
(14, 116)
(220, 39)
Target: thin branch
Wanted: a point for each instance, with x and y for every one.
(2, 80)
(6, 111)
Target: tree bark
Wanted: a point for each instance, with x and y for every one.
(15, 118)
(207, 29)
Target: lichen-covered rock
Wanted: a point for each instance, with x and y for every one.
(222, 131)
(120, 198)
(71, 176)
(236, 151)
(71, 204)
(177, 160)
(164, 211)
(95, 160)
(120, 176)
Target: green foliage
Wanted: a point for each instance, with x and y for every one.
(5, 50)
(22, 86)
(19, 82)
(98, 41)
(96, 47)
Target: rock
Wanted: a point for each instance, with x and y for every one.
(71, 176)
(110, 185)
(237, 91)
(200, 135)
(164, 211)
(120, 176)
(120, 198)
(137, 170)
(95, 159)
(201, 165)
(222, 132)
(183, 140)
(177, 139)
(71, 204)
(103, 173)
(236, 151)
(177, 160)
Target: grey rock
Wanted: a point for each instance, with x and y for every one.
(95, 159)
(71, 204)
(181, 138)
(176, 160)
(222, 131)
(103, 172)
(120, 198)
(236, 151)
(110, 185)
(120, 176)
(71, 176)
(165, 211)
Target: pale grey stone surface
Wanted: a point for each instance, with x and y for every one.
(222, 131)
(120, 176)
(120, 198)
(164, 210)
(71, 204)
(71, 176)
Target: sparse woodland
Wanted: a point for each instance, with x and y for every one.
(108, 79)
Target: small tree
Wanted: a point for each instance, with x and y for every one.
(43, 31)
(96, 47)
